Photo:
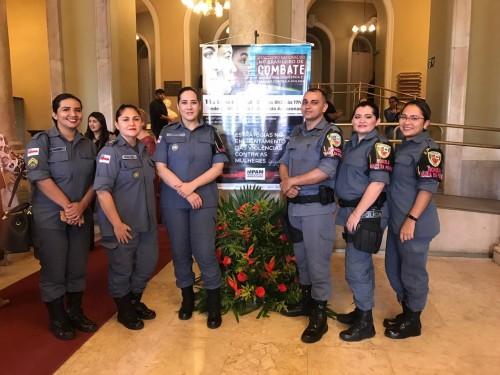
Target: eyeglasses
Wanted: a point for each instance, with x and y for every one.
(410, 118)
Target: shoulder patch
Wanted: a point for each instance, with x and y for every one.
(159, 139)
(332, 145)
(430, 164)
(380, 157)
(105, 158)
(32, 163)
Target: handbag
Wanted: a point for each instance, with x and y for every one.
(16, 224)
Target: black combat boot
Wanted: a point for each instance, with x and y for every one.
(397, 320)
(361, 329)
(59, 323)
(187, 305)
(143, 312)
(78, 320)
(127, 314)
(214, 319)
(317, 323)
(409, 327)
(304, 305)
(348, 318)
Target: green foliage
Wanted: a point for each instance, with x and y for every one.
(257, 264)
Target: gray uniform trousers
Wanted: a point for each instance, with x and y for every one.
(192, 233)
(313, 254)
(132, 264)
(63, 256)
(360, 276)
(405, 265)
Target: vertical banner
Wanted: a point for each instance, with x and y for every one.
(252, 94)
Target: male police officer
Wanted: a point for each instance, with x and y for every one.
(307, 172)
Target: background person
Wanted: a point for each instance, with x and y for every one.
(61, 164)
(361, 178)
(97, 130)
(189, 157)
(413, 219)
(307, 171)
(158, 112)
(127, 217)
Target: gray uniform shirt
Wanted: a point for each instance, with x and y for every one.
(188, 154)
(418, 166)
(128, 174)
(320, 147)
(70, 164)
(363, 162)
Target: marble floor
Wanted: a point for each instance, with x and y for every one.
(461, 334)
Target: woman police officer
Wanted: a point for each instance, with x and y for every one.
(61, 164)
(361, 178)
(189, 157)
(413, 219)
(127, 215)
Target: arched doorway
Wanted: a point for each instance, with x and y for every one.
(144, 72)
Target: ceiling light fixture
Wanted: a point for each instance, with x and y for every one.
(207, 7)
(369, 26)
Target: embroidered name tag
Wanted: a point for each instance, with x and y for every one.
(58, 149)
(33, 151)
(175, 134)
(104, 158)
(129, 157)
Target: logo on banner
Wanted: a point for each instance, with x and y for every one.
(255, 174)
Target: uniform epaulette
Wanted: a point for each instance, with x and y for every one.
(39, 134)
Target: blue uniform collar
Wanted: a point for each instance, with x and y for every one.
(53, 131)
(319, 126)
(180, 125)
(370, 135)
(120, 141)
(419, 138)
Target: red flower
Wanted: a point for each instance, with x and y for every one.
(241, 210)
(242, 277)
(290, 259)
(246, 233)
(221, 226)
(282, 288)
(260, 292)
(218, 254)
(270, 265)
(256, 208)
(283, 237)
(226, 261)
(234, 285)
(247, 255)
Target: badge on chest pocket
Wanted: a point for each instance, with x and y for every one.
(175, 147)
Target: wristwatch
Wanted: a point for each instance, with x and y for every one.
(411, 217)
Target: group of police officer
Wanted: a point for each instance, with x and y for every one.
(316, 165)
(66, 175)
(372, 187)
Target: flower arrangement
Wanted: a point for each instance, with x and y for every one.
(257, 263)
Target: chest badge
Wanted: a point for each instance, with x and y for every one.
(136, 174)
(175, 147)
(32, 163)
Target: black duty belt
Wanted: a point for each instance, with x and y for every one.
(304, 199)
(353, 203)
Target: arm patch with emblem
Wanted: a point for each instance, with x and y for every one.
(430, 165)
(218, 146)
(332, 145)
(381, 157)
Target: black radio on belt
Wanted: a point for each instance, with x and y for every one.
(326, 195)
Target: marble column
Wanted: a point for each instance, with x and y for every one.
(247, 16)
(7, 118)
(457, 91)
(56, 61)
